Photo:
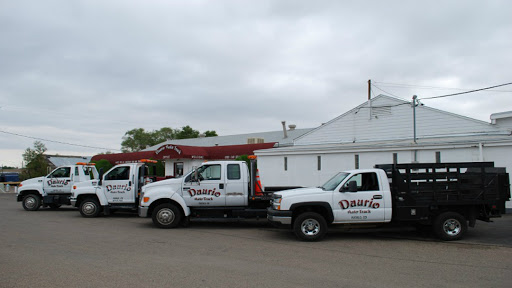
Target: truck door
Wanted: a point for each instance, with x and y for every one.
(118, 185)
(58, 182)
(236, 187)
(359, 201)
(205, 187)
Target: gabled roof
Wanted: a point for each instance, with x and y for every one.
(386, 118)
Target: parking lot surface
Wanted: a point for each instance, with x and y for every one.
(59, 248)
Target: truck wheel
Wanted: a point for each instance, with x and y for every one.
(450, 226)
(31, 202)
(166, 216)
(310, 226)
(90, 207)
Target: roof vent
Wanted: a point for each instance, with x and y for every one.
(292, 127)
(255, 140)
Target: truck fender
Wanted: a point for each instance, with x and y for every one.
(178, 199)
(322, 208)
(29, 189)
(161, 195)
(101, 196)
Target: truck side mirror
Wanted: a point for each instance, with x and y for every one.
(352, 186)
(100, 177)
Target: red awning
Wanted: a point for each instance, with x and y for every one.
(121, 158)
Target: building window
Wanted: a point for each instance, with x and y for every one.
(285, 163)
(438, 157)
(395, 158)
(356, 161)
(319, 162)
(178, 169)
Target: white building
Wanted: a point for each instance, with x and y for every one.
(382, 131)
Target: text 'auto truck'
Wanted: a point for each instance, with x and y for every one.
(449, 197)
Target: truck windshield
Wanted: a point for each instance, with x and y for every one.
(334, 181)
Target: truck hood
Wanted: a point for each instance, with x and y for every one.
(300, 192)
(32, 181)
(174, 182)
(88, 183)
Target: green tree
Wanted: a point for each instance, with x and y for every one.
(138, 139)
(36, 161)
(186, 133)
(103, 164)
(210, 133)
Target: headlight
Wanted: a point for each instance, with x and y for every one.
(276, 202)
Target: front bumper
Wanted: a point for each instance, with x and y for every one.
(278, 217)
(143, 211)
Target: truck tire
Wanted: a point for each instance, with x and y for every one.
(90, 207)
(310, 226)
(450, 226)
(31, 202)
(166, 215)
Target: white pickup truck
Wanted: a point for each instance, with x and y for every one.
(446, 196)
(118, 189)
(54, 190)
(216, 189)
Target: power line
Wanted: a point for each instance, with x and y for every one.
(385, 91)
(399, 85)
(59, 142)
(471, 91)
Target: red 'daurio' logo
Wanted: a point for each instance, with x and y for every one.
(359, 203)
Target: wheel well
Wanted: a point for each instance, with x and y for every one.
(162, 201)
(321, 209)
(82, 197)
(26, 192)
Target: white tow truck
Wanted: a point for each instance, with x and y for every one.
(118, 189)
(216, 189)
(54, 189)
(448, 197)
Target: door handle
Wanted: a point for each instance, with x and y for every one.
(377, 196)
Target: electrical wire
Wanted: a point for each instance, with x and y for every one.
(471, 91)
(59, 142)
(386, 91)
(427, 87)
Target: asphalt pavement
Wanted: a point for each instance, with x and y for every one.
(59, 248)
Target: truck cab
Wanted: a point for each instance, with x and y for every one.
(54, 189)
(118, 189)
(216, 189)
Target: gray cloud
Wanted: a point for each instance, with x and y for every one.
(96, 69)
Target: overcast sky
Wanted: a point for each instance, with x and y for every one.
(85, 72)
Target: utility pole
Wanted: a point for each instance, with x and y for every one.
(369, 89)
(414, 104)
(370, 96)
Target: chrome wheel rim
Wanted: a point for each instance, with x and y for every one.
(452, 227)
(30, 202)
(165, 216)
(310, 227)
(89, 208)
